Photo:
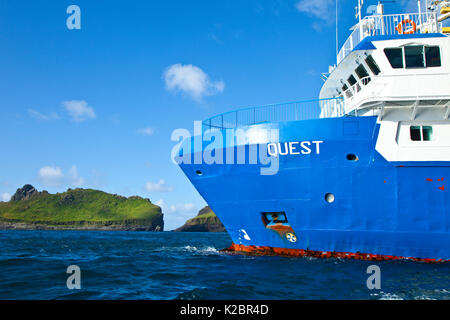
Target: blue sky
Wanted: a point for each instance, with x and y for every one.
(95, 107)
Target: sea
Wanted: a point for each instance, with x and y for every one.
(169, 265)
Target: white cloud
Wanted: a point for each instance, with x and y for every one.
(317, 8)
(187, 207)
(52, 176)
(5, 197)
(74, 179)
(146, 131)
(158, 187)
(175, 208)
(79, 110)
(191, 80)
(43, 117)
(176, 215)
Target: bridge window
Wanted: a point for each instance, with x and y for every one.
(347, 92)
(352, 81)
(433, 56)
(414, 57)
(395, 57)
(421, 133)
(362, 73)
(415, 133)
(373, 65)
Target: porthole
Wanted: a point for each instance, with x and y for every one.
(352, 157)
(329, 197)
(199, 173)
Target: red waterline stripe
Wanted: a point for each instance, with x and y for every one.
(271, 251)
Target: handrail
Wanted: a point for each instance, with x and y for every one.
(355, 96)
(362, 82)
(291, 111)
(357, 87)
(382, 25)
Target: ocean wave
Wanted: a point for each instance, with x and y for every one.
(423, 297)
(190, 266)
(441, 291)
(203, 250)
(386, 296)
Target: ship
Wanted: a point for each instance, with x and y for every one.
(362, 172)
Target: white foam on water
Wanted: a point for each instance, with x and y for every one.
(203, 250)
(386, 296)
(442, 291)
(423, 297)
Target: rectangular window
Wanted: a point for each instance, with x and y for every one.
(427, 133)
(421, 133)
(433, 56)
(395, 57)
(271, 218)
(415, 133)
(344, 88)
(352, 81)
(347, 92)
(414, 57)
(362, 73)
(373, 65)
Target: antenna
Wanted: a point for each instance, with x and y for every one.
(360, 3)
(419, 4)
(337, 34)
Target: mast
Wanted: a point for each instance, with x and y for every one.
(337, 35)
(420, 13)
(360, 2)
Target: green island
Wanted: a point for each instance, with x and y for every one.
(79, 209)
(205, 221)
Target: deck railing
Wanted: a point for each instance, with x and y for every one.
(386, 25)
(300, 110)
(357, 87)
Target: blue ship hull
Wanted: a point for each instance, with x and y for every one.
(390, 209)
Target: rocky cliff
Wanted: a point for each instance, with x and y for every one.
(79, 209)
(205, 221)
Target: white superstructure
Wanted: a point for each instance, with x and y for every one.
(397, 67)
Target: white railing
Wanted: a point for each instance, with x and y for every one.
(356, 88)
(377, 89)
(349, 44)
(332, 108)
(291, 111)
(386, 25)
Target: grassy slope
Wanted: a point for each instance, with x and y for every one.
(78, 205)
(205, 217)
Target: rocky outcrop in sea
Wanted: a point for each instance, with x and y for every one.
(205, 221)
